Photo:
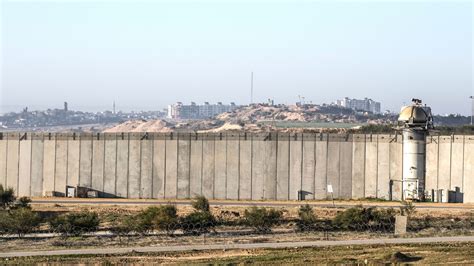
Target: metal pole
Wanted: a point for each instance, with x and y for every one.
(251, 88)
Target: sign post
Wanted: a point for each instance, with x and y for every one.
(330, 190)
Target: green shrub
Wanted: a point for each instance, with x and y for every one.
(407, 208)
(19, 221)
(23, 202)
(359, 219)
(7, 197)
(123, 226)
(145, 220)
(166, 219)
(197, 222)
(75, 223)
(307, 219)
(200, 203)
(262, 219)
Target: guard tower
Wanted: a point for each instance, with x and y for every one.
(415, 121)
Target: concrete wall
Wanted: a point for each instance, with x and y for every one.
(228, 166)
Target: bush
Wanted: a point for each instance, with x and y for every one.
(200, 203)
(166, 219)
(201, 220)
(19, 221)
(262, 219)
(145, 220)
(359, 219)
(197, 222)
(23, 202)
(124, 226)
(307, 219)
(407, 208)
(7, 197)
(75, 223)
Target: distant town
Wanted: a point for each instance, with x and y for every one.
(345, 110)
(33, 120)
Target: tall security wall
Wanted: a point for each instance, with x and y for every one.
(245, 166)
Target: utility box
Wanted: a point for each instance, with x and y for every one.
(71, 192)
(455, 196)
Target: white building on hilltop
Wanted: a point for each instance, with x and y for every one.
(366, 105)
(194, 111)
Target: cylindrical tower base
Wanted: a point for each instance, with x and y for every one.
(414, 158)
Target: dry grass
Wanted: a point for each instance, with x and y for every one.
(379, 254)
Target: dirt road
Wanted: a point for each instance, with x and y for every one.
(101, 251)
(327, 204)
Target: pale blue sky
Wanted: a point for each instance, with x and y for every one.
(147, 54)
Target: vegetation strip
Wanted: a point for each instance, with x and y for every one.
(383, 204)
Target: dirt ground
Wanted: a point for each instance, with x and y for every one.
(461, 210)
(454, 253)
(224, 234)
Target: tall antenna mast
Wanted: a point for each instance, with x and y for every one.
(472, 108)
(251, 88)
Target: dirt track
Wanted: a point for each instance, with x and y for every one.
(328, 204)
(109, 250)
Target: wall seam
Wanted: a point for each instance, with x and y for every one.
(289, 167)
(365, 162)
(251, 166)
(189, 166)
(177, 164)
(18, 169)
(463, 151)
(103, 167)
(437, 165)
(327, 157)
(115, 164)
(55, 157)
(140, 193)
(339, 144)
(238, 169)
(314, 168)
(226, 162)
(451, 163)
(377, 167)
(275, 191)
(153, 195)
(67, 163)
(6, 163)
(128, 165)
(31, 161)
(301, 167)
(214, 169)
(164, 172)
(202, 165)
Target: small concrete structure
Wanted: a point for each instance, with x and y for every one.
(401, 225)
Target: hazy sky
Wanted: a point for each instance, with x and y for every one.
(147, 54)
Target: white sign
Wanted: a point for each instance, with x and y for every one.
(330, 189)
